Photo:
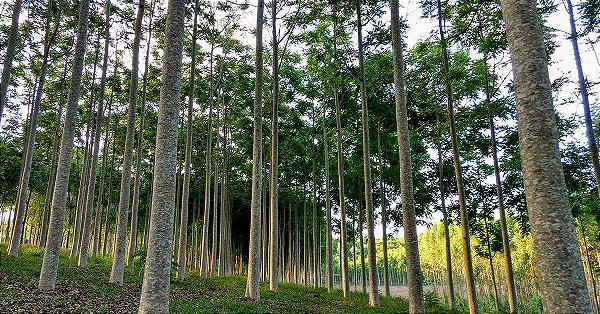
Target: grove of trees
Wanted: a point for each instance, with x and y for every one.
(333, 150)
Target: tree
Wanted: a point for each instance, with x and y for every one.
(413, 268)
(59, 198)
(21, 202)
(373, 282)
(9, 55)
(91, 189)
(273, 186)
(118, 267)
(252, 286)
(155, 289)
(557, 254)
(183, 231)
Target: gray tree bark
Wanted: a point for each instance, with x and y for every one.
(373, 281)
(183, 230)
(413, 267)
(464, 217)
(118, 267)
(133, 233)
(252, 286)
(556, 249)
(340, 173)
(329, 236)
(91, 189)
(155, 289)
(21, 202)
(57, 215)
(274, 205)
(11, 45)
(386, 276)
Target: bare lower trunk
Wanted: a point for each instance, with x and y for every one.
(413, 267)
(91, 189)
(386, 280)
(252, 287)
(555, 245)
(57, 216)
(464, 217)
(155, 289)
(118, 267)
(183, 231)
(329, 237)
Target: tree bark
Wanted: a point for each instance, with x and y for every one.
(373, 282)
(252, 287)
(33, 122)
(9, 55)
(91, 189)
(183, 231)
(273, 188)
(329, 236)
(118, 267)
(556, 249)
(386, 278)
(155, 289)
(57, 215)
(133, 232)
(464, 217)
(413, 268)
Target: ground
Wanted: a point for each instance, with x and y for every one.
(87, 290)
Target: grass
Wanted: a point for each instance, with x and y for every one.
(87, 290)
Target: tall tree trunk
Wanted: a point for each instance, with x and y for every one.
(314, 200)
(413, 267)
(589, 263)
(512, 293)
(155, 289)
(118, 267)
(83, 179)
(373, 282)
(340, 173)
(133, 231)
(112, 166)
(329, 236)
(183, 231)
(213, 258)
(273, 188)
(305, 235)
(491, 261)
(361, 241)
(386, 276)
(450, 281)
(9, 55)
(555, 245)
(207, 173)
(252, 287)
(33, 122)
(589, 127)
(464, 217)
(57, 215)
(91, 189)
(55, 146)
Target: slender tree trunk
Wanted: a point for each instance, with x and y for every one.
(363, 270)
(33, 122)
(373, 285)
(589, 126)
(155, 289)
(273, 188)
(314, 200)
(464, 217)
(83, 179)
(57, 215)
(415, 278)
(340, 172)
(9, 55)
(110, 177)
(386, 277)
(206, 215)
(183, 231)
(118, 267)
(213, 264)
(91, 189)
(305, 235)
(450, 281)
(555, 245)
(491, 261)
(589, 263)
(133, 232)
(329, 236)
(252, 287)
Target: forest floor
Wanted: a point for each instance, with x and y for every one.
(80, 290)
